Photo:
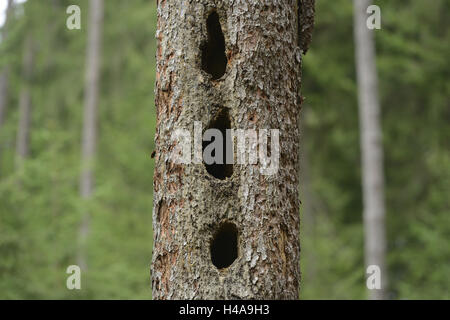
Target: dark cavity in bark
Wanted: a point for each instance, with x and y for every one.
(224, 169)
(224, 245)
(214, 60)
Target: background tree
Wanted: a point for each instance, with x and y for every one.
(371, 146)
(227, 231)
(89, 139)
(23, 131)
(4, 74)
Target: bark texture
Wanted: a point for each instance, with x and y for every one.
(260, 90)
(23, 131)
(89, 138)
(306, 9)
(371, 146)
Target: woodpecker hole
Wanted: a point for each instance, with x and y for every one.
(224, 245)
(214, 60)
(224, 167)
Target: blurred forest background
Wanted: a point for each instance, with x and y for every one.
(40, 204)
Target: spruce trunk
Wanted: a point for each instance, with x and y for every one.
(227, 231)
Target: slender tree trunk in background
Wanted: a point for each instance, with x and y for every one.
(23, 131)
(371, 146)
(90, 118)
(227, 231)
(307, 217)
(4, 75)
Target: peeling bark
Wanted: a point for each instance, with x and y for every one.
(260, 89)
(306, 9)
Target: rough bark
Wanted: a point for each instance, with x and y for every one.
(259, 89)
(371, 146)
(306, 9)
(89, 136)
(23, 131)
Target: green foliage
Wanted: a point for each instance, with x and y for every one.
(413, 47)
(40, 207)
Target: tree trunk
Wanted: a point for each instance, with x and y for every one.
(4, 75)
(23, 132)
(90, 118)
(371, 146)
(227, 231)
